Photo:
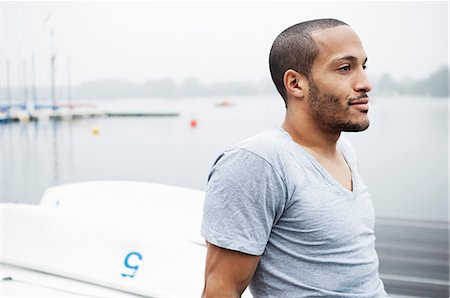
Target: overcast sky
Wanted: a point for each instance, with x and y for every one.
(212, 41)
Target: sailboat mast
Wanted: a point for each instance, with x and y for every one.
(52, 70)
(8, 86)
(33, 80)
(25, 86)
(69, 83)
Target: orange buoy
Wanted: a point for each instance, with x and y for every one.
(193, 123)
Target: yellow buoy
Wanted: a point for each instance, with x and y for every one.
(95, 130)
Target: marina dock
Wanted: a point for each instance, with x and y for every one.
(68, 114)
(140, 114)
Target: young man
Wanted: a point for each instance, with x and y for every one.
(286, 211)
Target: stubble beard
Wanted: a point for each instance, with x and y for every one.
(325, 109)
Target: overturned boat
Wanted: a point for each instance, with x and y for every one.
(104, 239)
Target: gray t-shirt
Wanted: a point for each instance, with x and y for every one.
(269, 197)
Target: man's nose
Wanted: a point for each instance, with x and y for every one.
(362, 83)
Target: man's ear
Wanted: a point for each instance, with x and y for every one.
(294, 83)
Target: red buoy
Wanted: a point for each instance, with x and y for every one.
(193, 123)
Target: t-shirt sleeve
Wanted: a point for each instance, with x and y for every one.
(244, 198)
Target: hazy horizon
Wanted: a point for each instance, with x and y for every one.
(210, 41)
(181, 80)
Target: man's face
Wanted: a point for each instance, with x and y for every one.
(338, 84)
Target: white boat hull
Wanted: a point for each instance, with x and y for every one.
(105, 238)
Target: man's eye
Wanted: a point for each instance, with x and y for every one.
(345, 68)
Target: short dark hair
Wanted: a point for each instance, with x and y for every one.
(295, 49)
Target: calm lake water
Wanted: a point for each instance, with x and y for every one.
(403, 155)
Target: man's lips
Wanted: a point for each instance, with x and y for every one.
(361, 104)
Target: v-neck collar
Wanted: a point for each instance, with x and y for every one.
(327, 176)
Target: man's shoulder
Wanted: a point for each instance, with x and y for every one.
(260, 151)
(265, 143)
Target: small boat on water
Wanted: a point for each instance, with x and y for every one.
(224, 103)
(104, 239)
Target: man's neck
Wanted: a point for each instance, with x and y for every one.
(305, 132)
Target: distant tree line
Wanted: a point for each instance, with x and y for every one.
(435, 85)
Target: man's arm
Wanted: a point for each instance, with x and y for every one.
(227, 272)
